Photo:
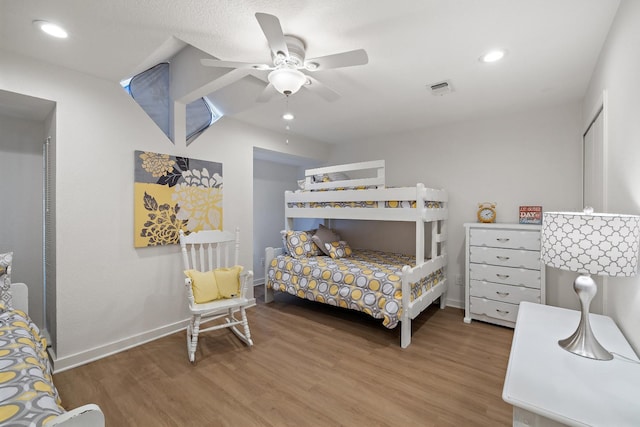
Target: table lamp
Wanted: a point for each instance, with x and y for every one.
(589, 243)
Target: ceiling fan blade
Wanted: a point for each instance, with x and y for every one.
(320, 89)
(272, 30)
(338, 60)
(233, 64)
(267, 94)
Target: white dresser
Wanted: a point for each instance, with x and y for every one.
(548, 386)
(503, 268)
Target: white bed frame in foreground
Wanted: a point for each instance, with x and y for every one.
(436, 216)
(88, 415)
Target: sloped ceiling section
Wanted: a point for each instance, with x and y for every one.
(171, 93)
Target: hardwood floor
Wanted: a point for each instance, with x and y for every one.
(311, 365)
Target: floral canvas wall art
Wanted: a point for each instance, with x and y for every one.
(174, 193)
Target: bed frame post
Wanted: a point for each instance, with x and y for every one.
(442, 237)
(419, 242)
(269, 254)
(405, 318)
(405, 332)
(420, 211)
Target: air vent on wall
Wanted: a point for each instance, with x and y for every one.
(441, 88)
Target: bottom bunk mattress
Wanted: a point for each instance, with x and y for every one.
(369, 281)
(27, 394)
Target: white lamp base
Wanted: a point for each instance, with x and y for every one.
(582, 342)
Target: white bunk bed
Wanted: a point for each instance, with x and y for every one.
(368, 198)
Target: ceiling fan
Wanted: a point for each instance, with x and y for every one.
(288, 55)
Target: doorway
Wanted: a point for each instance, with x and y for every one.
(594, 164)
(25, 125)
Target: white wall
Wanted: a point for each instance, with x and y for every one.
(109, 294)
(618, 72)
(21, 204)
(270, 181)
(525, 158)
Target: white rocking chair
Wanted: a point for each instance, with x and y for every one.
(206, 251)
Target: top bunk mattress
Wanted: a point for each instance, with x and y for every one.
(394, 203)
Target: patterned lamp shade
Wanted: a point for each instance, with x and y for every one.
(593, 243)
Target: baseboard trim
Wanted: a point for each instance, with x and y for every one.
(72, 361)
(455, 303)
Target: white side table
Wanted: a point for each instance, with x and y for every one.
(548, 386)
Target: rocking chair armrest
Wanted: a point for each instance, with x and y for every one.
(245, 278)
(187, 285)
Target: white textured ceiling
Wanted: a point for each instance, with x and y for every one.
(552, 48)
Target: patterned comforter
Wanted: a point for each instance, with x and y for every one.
(27, 394)
(368, 281)
(389, 204)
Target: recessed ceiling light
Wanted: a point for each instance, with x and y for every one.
(288, 116)
(51, 29)
(493, 56)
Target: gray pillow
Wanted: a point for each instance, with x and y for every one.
(5, 279)
(324, 235)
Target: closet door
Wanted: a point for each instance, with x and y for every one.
(593, 178)
(593, 188)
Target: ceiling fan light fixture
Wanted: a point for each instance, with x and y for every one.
(51, 29)
(287, 80)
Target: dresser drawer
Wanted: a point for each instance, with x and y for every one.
(505, 275)
(504, 293)
(507, 257)
(497, 238)
(495, 309)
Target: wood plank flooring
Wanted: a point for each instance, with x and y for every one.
(311, 365)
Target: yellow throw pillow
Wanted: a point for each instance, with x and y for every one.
(204, 286)
(339, 249)
(228, 280)
(300, 245)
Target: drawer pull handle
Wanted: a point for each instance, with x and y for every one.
(503, 312)
(502, 276)
(502, 294)
(503, 239)
(502, 258)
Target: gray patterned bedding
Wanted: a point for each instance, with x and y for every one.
(27, 394)
(367, 281)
